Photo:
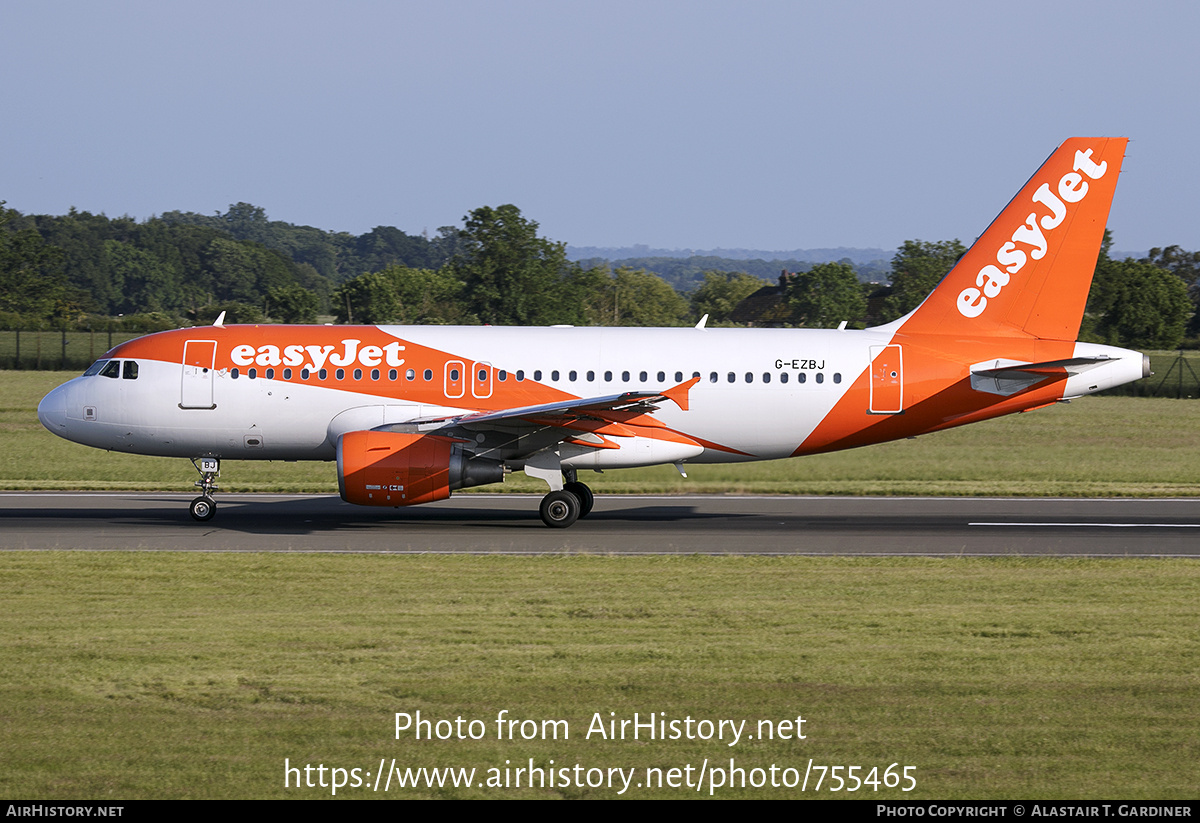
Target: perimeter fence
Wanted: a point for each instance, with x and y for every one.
(56, 350)
(1175, 375)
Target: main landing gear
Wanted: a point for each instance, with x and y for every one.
(204, 507)
(562, 508)
(586, 498)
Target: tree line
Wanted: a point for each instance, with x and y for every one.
(1142, 304)
(81, 270)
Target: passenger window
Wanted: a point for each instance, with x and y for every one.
(502, 375)
(408, 375)
(820, 377)
(234, 372)
(131, 370)
(662, 377)
(591, 376)
(428, 375)
(679, 377)
(113, 369)
(358, 374)
(520, 375)
(572, 375)
(375, 374)
(554, 375)
(642, 377)
(712, 377)
(454, 375)
(287, 374)
(608, 377)
(321, 375)
(270, 374)
(340, 374)
(304, 373)
(801, 377)
(393, 374)
(625, 376)
(783, 377)
(251, 373)
(731, 377)
(837, 377)
(537, 375)
(749, 377)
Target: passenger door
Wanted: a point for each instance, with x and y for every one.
(196, 391)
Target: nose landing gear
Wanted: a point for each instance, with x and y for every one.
(204, 507)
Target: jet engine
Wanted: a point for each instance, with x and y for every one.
(378, 468)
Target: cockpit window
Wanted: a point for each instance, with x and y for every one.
(111, 369)
(131, 370)
(94, 368)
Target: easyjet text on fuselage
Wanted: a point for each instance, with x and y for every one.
(352, 351)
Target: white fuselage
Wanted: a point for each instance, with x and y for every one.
(762, 393)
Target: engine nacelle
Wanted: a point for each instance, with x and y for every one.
(399, 469)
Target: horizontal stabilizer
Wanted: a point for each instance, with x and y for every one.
(1008, 377)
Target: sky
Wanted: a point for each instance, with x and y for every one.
(679, 124)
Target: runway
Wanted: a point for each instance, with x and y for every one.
(620, 524)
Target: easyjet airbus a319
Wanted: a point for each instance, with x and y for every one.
(412, 413)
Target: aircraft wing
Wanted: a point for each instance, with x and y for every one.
(566, 411)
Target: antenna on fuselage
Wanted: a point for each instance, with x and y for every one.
(220, 321)
(703, 320)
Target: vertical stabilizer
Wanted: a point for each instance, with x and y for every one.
(1030, 272)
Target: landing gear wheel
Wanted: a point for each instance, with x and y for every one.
(203, 509)
(586, 498)
(560, 509)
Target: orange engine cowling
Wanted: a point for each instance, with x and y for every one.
(399, 469)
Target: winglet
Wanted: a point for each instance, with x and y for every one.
(679, 393)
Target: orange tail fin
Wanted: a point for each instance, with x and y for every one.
(1030, 272)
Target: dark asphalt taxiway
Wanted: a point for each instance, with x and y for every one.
(619, 524)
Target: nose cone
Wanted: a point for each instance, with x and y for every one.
(52, 411)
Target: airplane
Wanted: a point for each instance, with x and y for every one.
(412, 414)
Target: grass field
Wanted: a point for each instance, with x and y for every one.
(188, 675)
(1098, 446)
(144, 674)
